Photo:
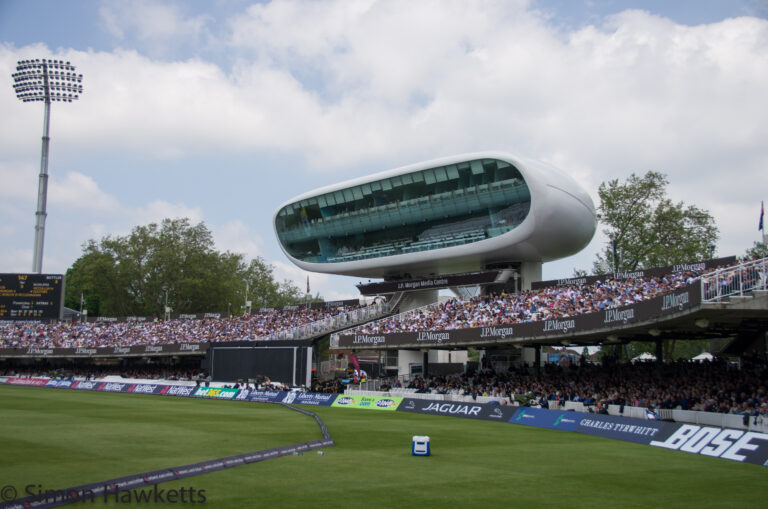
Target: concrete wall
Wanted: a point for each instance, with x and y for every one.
(529, 272)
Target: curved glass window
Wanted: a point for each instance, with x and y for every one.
(428, 209)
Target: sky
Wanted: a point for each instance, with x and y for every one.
(221, 111)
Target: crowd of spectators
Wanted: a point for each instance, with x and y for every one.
(530, 306)
(106, 334)
(97, 372)
(716, 386)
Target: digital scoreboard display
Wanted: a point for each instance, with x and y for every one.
(31, 296)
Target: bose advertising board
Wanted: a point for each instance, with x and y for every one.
(731, 444)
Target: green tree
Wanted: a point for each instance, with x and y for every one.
(264, 291)
(648, 229)
(757, 251)
(174, 261)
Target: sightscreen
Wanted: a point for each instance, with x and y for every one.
(282, 364)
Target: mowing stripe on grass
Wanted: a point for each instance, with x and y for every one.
(111, 488)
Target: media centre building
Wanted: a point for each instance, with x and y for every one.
(459, 215)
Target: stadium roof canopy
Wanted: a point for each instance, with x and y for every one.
(456, 214)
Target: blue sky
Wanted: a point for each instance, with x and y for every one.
(222, 110)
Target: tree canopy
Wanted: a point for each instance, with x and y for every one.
(134, 274)
(758, 250)
(647, 228)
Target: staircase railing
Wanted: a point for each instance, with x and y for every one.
(735, 281)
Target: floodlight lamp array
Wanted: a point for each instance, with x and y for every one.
(40, 79)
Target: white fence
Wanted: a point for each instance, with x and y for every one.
(349, 319)
(734, 281)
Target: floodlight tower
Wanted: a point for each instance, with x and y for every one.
(45, 80)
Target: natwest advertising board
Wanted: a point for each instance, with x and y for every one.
(114, 387)
(17, 380)
(178, 390)
(147, 388)
(87, 385)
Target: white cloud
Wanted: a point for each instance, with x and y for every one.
(16, 260)
(80, 191)
(376, 84)
(456, 77)
(237, 237)
(156, 211)
(148, 20)
(18, 180)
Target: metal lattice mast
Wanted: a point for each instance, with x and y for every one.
(45, 80)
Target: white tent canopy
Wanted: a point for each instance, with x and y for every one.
(643, 357)
(704, 356)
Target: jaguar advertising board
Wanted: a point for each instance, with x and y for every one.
(544, 418)
(388, 403)
(212, 392)
(620, 428)
(501, 413)
(731, 444)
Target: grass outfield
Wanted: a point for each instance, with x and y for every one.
(61, 438)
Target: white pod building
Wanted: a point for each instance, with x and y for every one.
(462, 213)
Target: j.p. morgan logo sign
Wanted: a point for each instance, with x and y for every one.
(433, 337)
(365, 339)
(496, 332)
(675, 301)
(619, 315)
(682, 300)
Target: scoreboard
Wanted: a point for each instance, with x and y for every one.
(31, 296)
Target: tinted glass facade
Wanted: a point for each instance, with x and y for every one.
(428, 209)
